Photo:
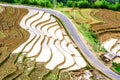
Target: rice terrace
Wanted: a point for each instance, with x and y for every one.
(59, 44)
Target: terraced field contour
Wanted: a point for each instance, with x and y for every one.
(48, 43)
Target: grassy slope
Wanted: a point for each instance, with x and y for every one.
(8, 39)
(23, 70)
(104, 23)
(10, 66)
(82, 23)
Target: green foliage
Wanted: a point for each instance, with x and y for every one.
(116, 67)
(19, 1)
(114, 64)
(60, 4)
(91, 38)
(70, 3)
(9, 1)
(101, 4)
(83, 4)
(115, 6)
(89, 35)
(52, 77)
(87, 67)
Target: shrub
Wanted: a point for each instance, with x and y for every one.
(19, 1)
(60, 4)
(70, 4)
(83, 4)
(101, 4)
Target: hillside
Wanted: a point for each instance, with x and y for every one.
(35, 46)
(101, 22)
(100, 31)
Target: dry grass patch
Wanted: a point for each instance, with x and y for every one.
(107, 16)
(7, 68)
(13, 75)
(11, 34)
(23, 76)
(65, 76)
(39, 72)
(108, 35)
(4, 54)
(86, 13)
(14, 38)
(110, 24)
(52, 75)
(81, 15)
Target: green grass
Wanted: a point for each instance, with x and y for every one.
(84, 28)
(117, 70)
(90, 37)
(1, 9)
(116, 67)
(51, 77)
(88, 34)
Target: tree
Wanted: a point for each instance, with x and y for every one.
(19, 1)
(83, 4)
(9, 1)
(101, 4)
(114, 64)
(59, 4)
(70, 4)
